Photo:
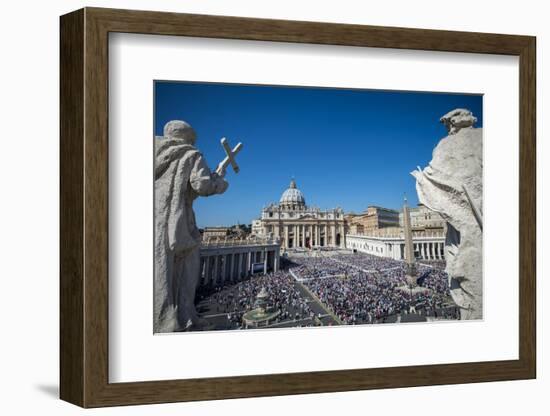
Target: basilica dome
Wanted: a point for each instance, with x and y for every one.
(292, 197)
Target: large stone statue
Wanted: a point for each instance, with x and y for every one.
(181, 175)
(452, 184)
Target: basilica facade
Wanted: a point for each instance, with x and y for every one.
(297, 225)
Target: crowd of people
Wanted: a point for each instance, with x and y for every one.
(356, 288)
(368, 262)
(434, 279)
(235, 300)
(317, 267)
(368, 289)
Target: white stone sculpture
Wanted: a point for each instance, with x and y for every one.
(452, 185)
(458, 119)
(181, 175)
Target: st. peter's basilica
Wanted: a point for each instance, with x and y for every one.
(298, 225)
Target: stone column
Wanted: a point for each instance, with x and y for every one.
(207, 270)
(344, 238)
(232, 267)
(215, 278)
(235, 268)
(224, 268)
(314, 235)
(227, 267)
(286, 237)
(276, 260)
(201, 271)
(248, 262)
(243, 265)
(240, 267)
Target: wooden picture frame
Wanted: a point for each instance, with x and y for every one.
(84, 207)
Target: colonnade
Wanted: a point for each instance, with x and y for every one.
(425, 248)
(430, 250)
(312, 235)
(228, 263)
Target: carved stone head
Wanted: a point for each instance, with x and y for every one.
(177, 129)
(458, 119)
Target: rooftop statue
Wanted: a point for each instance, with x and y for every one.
(181, 176)
(452, 185)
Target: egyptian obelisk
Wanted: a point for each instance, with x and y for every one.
(409, 249)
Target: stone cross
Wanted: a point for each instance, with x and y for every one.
(230, 158)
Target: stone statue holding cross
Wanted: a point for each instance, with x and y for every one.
(181, 175)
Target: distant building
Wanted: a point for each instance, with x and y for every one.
(401, 243)
(239, 231)
(215, 232)
(257, 227)
(373, 219)
(424, 221)
(297, 225)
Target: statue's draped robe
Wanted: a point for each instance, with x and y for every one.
(456, 164)
(181, 175)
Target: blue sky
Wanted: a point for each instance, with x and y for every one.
(345, 147)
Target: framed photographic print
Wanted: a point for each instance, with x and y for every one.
(256, 207)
